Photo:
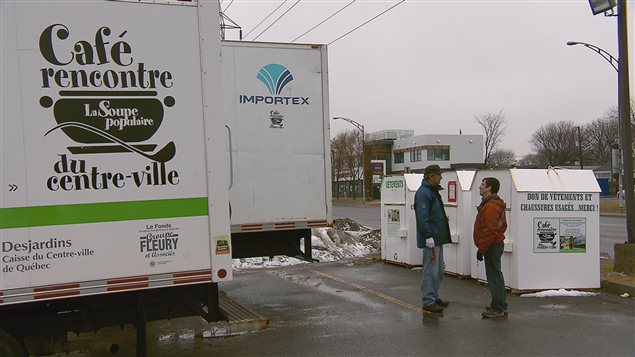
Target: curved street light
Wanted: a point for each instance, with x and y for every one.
(607, 56)
(613, 62)
(360, 127)
(624, 109)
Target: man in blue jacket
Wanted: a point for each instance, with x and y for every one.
(433, 231)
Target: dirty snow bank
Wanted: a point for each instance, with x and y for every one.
(345, 240)
(558, 293)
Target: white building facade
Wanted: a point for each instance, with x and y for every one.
(413, 154)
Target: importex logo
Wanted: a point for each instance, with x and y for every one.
(275, 77)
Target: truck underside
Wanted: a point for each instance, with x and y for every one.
(262, 244)
(41, 327)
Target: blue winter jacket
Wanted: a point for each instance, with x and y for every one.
(430, 214)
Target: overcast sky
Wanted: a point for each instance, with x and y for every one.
(432, 66)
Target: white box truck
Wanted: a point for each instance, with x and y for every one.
(114, 201)
(276, 111)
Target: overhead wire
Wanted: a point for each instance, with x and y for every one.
(265, 19)
(230, 4)
(383, 12)
(323, 21)
(281, 16)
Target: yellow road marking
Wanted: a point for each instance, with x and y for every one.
(369, 291)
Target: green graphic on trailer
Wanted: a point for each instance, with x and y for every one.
(21, 217)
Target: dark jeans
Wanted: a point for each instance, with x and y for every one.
(495, 278)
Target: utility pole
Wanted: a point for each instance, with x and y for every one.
(624, 104)
(580, 146)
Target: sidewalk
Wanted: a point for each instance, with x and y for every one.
(610, 206)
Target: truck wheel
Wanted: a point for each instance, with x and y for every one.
(9, 346)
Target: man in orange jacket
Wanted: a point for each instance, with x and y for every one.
(489, 233)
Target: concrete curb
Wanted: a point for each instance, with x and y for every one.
(617, 288)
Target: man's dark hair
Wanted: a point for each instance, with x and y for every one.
(492, 183)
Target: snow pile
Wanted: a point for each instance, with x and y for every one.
(558, 293)
(346, 240)
(265, 262)
(330, 244)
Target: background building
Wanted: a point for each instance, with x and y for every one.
(393, 152)
(413, 154)
(378, 158)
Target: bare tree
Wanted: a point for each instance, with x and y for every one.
(555, 144)
(613, 114)
(501, 158)
(494, 129)
(347, 160)
(529, 161)
(598, 137)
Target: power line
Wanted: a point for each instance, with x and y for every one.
(265, 19)
(313, 28)
(227, 23)
(230, 4)
(273, 23)
(385, 11)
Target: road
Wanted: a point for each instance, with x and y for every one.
(365, 215)
(612, 229)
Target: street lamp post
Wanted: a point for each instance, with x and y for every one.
(360, 127)
(607, 56)
(626, 175)
(614, 63)
(626, 251)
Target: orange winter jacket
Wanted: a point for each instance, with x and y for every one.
(490, 224)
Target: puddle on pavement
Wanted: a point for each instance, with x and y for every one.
(353, 296)
(554, 307)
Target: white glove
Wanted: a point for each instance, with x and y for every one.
(430, 243)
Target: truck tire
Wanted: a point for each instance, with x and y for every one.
(10, 346)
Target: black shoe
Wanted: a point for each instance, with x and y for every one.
(493, 313)
(488, 308)
(442, 303)
(432, 308)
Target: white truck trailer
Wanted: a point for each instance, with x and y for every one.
(276, 111)
(114, 200)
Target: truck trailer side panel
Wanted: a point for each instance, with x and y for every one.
(276, 109)
(107, 115)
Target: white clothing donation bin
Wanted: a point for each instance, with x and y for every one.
(553, 235)
(399, 224)
(457, 199)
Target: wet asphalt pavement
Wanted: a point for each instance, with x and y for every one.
(370, 308)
